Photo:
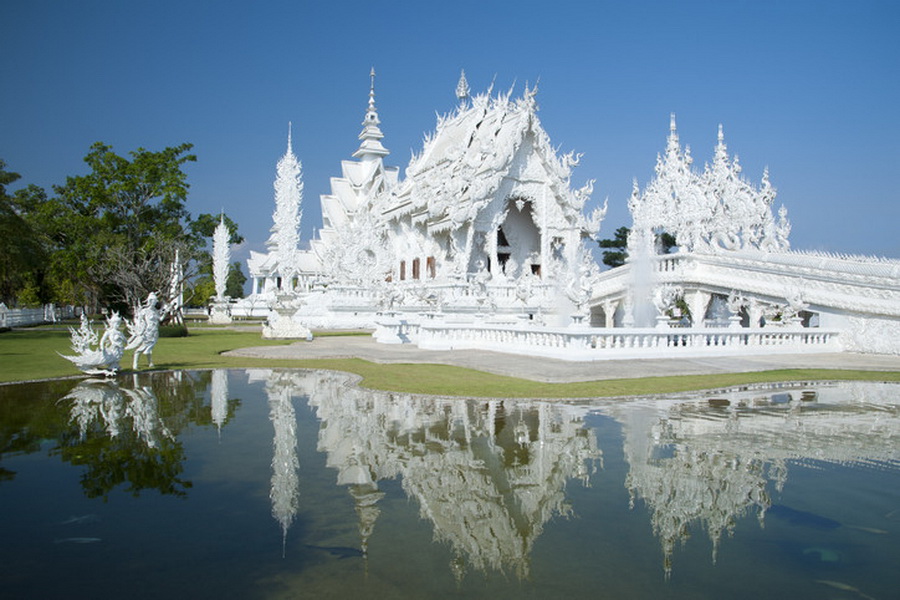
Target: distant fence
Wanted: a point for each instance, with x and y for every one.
(49, 313)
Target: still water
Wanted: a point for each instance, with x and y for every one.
(297, 484)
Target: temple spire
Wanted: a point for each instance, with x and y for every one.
(372, 90)
(672, 145)
(462, 88)
(290, 146)
(721, 152)
(370, 147)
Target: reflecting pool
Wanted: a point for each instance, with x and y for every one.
(297, 484)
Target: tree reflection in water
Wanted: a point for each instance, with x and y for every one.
(123, 438)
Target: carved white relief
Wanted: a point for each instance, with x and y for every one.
(143, 330)
(98, 357)
(709, 212)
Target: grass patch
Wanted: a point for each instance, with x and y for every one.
(173, 331)
(32, 354)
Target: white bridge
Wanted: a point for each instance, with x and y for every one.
(747, 303)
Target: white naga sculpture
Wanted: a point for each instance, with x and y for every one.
(102, 359)
(144, 330)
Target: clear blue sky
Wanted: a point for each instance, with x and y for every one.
(811, 89)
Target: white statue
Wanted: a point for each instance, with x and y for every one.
(175, 306)
(144, 330)
(285, 239)
(221, 258)
(104, 358)
(221, 261)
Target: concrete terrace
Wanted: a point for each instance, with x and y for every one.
(560, 371)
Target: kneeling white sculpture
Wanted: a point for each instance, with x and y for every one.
(98, 357)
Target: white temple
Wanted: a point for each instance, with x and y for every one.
(484, 244)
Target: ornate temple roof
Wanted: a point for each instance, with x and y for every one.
(469, 155)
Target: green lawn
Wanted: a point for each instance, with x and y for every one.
(29, 354)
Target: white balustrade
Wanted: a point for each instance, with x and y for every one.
(585, 344)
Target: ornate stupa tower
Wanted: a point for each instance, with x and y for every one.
(370, 137)
(348, 212)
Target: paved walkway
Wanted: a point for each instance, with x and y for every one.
(560, 371)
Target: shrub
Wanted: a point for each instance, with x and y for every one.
(171, 331)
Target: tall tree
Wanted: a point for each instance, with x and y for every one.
(21, 251)
(116, 229)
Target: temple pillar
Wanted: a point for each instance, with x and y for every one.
(609, 313)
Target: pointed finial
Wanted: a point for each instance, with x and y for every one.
(462, 88)
(290, 147)
(672, 122)
(721, 134)
(371, 135)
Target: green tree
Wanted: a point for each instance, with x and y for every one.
(21, 250)
(234, 285)
(616, 252)
(115, 230)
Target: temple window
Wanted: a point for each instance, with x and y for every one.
(415, 268)
(430, 267)
(501, 237)
(402, 270)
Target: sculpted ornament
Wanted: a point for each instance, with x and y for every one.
(718, 210)
(665, 297)
(144, 330)
(104, 358)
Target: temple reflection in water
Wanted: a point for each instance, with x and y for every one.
(489, 474)
(709, 462)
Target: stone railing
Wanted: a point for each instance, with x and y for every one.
(585, 344)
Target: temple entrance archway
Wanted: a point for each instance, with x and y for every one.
(518, 249)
